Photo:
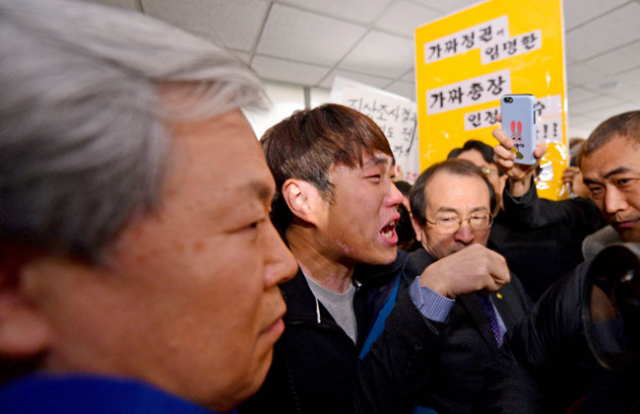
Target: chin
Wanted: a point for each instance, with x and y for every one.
(386, 257)
(256, 379)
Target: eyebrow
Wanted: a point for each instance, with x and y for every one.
(447, 210)
(619, 170)
(264, 191)
(377, 160)
(615, 171)
(453, 210)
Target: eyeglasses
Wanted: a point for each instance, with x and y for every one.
(451, 224)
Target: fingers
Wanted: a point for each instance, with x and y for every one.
(498, 271)
(502, 152)
(569, 174)
(504, 140)
(504, 159)
(474, 268)
(540, 150)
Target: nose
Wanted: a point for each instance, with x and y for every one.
(281, 266)
(614, 201)
(465, 233)
(395, 196)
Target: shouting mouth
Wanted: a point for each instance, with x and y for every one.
(388, 233)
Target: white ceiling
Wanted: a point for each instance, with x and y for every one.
(309, 42)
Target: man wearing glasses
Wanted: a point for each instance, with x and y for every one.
(541, 239)
(451, 203)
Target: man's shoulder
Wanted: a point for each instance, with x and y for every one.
(377, 276)
(419, 259)
(40, 394)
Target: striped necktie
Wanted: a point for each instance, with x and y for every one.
(493, 319)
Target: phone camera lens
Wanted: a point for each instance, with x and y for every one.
(508, 100)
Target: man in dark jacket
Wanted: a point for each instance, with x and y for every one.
(357, 339)
(451, 204)
(548, 366)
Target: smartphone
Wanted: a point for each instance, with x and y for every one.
(518, 123)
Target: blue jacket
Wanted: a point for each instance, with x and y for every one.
(82, 394)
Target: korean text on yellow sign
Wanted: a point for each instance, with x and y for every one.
(465, 62)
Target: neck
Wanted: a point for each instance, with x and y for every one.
(316, 259)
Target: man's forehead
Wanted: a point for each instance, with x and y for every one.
(618, 154)
(453, 182)
(368, 161)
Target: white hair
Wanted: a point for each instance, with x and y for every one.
(83, 138)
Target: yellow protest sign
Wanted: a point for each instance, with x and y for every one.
(466, 61)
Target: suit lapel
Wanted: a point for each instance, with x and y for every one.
(473, 306)
(502, 300)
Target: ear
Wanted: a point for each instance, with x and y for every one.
(304, 200)
(24, 331)
(418, 229)
(519, 127)
(513, 127)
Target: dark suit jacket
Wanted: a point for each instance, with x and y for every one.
(469, 345)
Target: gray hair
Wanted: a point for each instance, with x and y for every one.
(84, 144)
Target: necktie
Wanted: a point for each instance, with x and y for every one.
(493, 319)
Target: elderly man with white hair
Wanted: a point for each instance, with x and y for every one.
(139, 269)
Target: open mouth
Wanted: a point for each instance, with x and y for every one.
(389, 230)
(388, 234)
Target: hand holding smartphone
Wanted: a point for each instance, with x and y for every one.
(518, 123)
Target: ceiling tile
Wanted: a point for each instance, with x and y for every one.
(403, 17)
(122, 4)
(233, 24)
(406, 89)
(287, 71)
(584, 107)
(449, 6)
(245, 57)
(577, 94)
(577, 12)
(380, 54)
(618, 60)
(582, 74)
(606, 113)
(358, 77)
(626, 79)
(409, 77)
(581, 126)
(628, 93)
(302, 36)
(360, 11)
(605, 33)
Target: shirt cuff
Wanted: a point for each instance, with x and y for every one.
(431, 305)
